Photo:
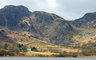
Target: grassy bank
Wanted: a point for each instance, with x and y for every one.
(41, 54)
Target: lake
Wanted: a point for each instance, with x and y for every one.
(42, 58)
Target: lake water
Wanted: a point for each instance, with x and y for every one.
(42, 58)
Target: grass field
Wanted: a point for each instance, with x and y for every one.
(33, 53)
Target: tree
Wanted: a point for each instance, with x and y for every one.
(33, 49)
(24, 49)
(5, 46)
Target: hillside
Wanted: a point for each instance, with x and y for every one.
(41, 24)
(10, 16)
(53, 27)
(87, 21)
(86, 27)
(45, 32)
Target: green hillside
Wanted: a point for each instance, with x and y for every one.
(44, 32)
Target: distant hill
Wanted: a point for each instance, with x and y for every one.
(88, 20)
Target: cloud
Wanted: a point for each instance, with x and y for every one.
(52, 3)
(68, 9)
(73, 9)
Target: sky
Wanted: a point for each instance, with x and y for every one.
(68, 9)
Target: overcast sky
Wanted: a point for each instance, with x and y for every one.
(68, 9)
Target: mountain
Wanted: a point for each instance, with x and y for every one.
(45, 26)
(86, 27)
(46, 32)
(40, 24)
(53, 27)
(87, 21)
(10, 16)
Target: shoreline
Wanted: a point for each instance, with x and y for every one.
(55, 56)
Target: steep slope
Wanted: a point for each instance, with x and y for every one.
(46, 31)
(44, 26)
(53, 27)
(5, 38)
(87, 30)
(10, 16)
(87, 21)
